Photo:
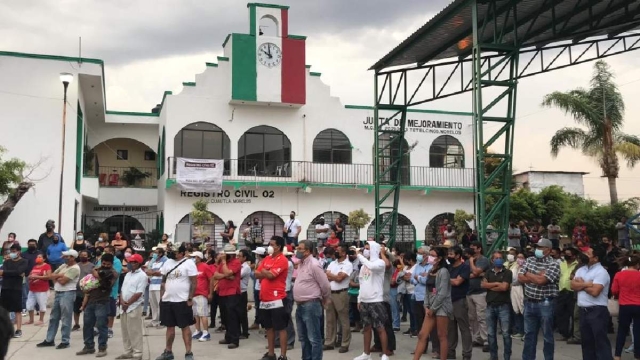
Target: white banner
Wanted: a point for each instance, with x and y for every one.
(199, 174)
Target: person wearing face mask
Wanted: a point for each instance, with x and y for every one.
(46, 238)
(459, 272)
(155, 280)
(311, 291)
(11, 239)
(119, 242)
(497, 282)
(419, 275)
(54, 252)
(517, 299)
(540, 275)
(80, 243)
(13, 271)
(322, 231)
(102, 241)
(476, 297)
(338, 273)
(86, 268)
(291, 229)
(256, 234)
(30, 255)
(131, 299)
(38, 289)
(407, 290)
(117, 267)
(565, 300)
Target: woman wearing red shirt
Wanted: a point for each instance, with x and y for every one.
(626, 287)
(333, 240)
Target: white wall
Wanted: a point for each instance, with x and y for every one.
(571, 183)
(131, 196)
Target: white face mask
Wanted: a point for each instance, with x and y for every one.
(511, 258)
(99, 239)
(270, 250)
(366, 253)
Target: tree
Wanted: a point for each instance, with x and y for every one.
(601, 110)
(14, 183)
(200, 216)
(461, 222)
(359, 219)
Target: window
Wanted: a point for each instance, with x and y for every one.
(391, 152)
(150, 155)
(203, 140)
(122, 154)
(446, 152)
(264, 151)
(331, 146)
(405, 231)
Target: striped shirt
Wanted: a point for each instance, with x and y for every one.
(551, 272)
(156, 281)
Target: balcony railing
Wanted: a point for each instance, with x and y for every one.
(344, 174)
(141, 177)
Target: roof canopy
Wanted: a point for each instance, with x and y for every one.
(450, 33)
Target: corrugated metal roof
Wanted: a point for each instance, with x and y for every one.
(450, 34)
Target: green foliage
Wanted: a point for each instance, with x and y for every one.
(133, 175)
(10, 173)
(200, 215)
(151, 239)
(359, 219)
(460, 221)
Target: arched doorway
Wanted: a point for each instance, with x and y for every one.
(124, 224)
(185, 230)
(264, 151)
(203, 140)
(330, 218)
(446, 152)
(272, 224)
(433, 231)
(405, 232)
(391, 151)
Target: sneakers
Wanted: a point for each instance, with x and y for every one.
(101, 353)
(629, 350)
(86, 351)
(266, 356)
(17, 334)
(368, 357)
(166, 355)
(518, 336)
(46, 344)
(62, 346)
(282, 357)
(197, 335)
(188, 356)
(384, 357)
(407, 333)
(205, 337)
(110, 333)
(124, 356)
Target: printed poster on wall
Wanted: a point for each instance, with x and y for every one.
(199, 174)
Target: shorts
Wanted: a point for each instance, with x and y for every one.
(200, 306)
(277, 319)
(11, 300)
(77, 304)
(112, 307)
(373, 314)
(39, 298)
(174, 314)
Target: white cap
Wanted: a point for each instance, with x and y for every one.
(70, 252)
(259, 251)
(197, 254)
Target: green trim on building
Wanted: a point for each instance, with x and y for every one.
(308, 66)
(225, 40)
(252, 21)
(163, 151)
(188, 83)
(51, 57)
(297, 37)
(364, 107)
(158, 158)
(222, 58)
(131, 113)
(164, 97)
(211, 64)
(79, 146)
(244, 72)
(315, 73)
(273, 6)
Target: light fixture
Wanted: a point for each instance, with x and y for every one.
(66, 78)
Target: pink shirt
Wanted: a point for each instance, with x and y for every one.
(311, 283)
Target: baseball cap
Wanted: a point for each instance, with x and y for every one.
(545, 243)
(259, 251)
(137, 258)
(197, 254)
(70, 252)
(229, 249)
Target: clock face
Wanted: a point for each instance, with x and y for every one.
(269, 55)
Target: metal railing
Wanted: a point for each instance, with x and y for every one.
(344, 174)
(131, 176)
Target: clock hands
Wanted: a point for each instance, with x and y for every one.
(268, 54)
(269, 48)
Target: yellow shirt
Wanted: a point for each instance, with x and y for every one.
(565, 275)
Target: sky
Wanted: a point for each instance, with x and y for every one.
(150, 46)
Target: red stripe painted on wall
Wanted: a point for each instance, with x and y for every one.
(294, 73)
(285, 22)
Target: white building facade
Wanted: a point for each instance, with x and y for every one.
(570, 181)
(287, 145)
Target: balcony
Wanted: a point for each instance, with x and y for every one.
(137, 177)
(336, 174)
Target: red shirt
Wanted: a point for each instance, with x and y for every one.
(274, 289)
(227, 287)
(39, 285)
(626, 285)
(333, 242)
(204, 277)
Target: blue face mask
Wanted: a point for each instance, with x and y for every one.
(419, 258)
(154, 256)
(539, 254)
(13, 255)
(498, 262)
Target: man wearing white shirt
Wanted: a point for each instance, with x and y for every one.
(131, 300)
(292, 229)
(322, 231)
(338, 273)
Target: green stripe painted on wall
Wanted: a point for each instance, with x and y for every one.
(244, 73)
(252, 20)
(79, 146)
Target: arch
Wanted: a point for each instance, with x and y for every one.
(122, 224)
(114, 157)
(331, 146)
(405, 232)
(269, 26)
(432, 233)
(446, 152)
(203, 140)
(213, 228)
(264, 151)
(330, 217)
(272, 224)
(392, 150)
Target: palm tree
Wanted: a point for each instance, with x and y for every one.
(601, 110)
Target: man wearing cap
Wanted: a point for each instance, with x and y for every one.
(65, 279)
(228, 276)
(133, 286)
(202, 297)
(540, 275)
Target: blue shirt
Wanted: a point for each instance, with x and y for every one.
(54, 253)
(421, 284)
(598, 275)
(117, 266)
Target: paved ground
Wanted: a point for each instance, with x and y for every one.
(251, 349)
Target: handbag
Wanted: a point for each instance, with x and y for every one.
(614, 307)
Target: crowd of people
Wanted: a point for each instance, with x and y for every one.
(446, 292)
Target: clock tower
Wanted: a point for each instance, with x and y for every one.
(267, 69)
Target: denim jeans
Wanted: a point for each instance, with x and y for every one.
(518, 324)
(494, 314)
(628, 314)
(309, 324)
(395, 313)
(538, 315)
(25, 294)
(408, 304)
(61, 312)
(95, 315)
